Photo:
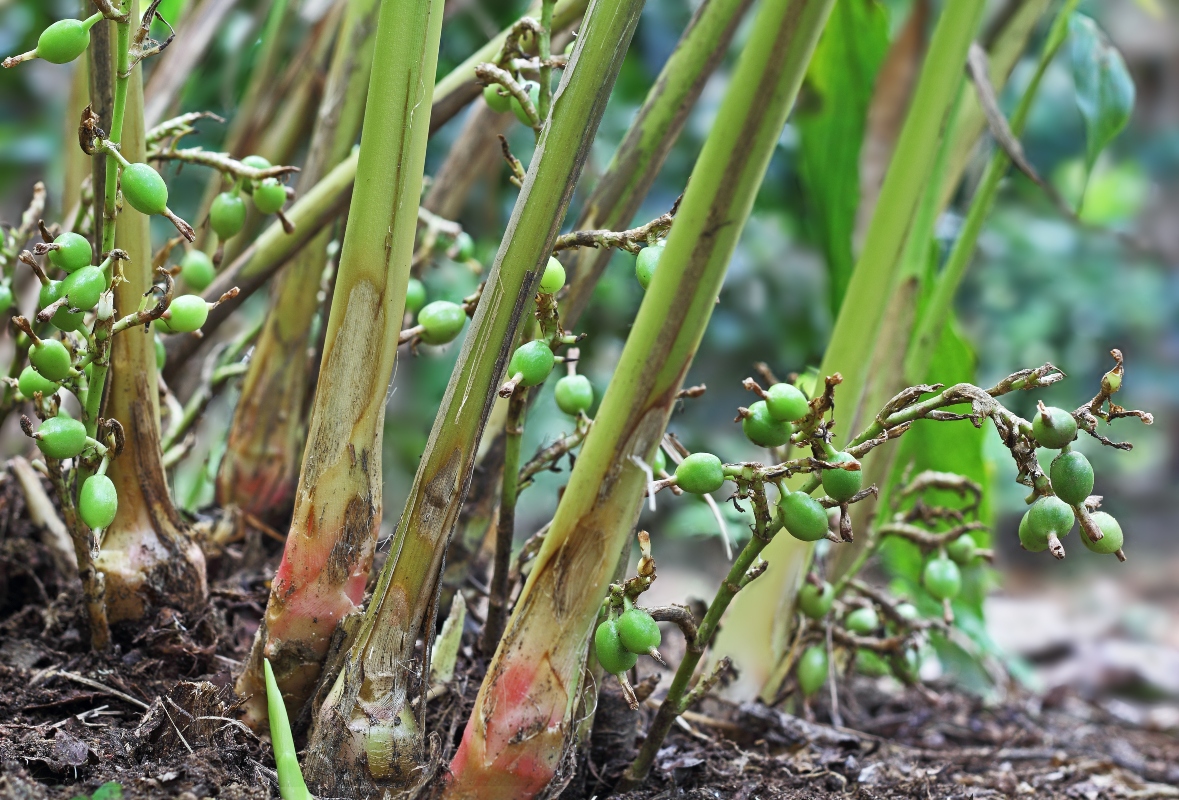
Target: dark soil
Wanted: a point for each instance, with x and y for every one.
(157, 715)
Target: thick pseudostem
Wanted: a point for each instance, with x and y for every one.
(513, 749)
(260, 470)
(329, 547)
(612, 205)
(368, 730)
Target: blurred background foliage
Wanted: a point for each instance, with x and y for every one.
(1041, 288)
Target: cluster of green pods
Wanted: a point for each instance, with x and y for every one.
(619, 641)
(1051, 517)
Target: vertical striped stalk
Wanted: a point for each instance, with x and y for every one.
(941, 301)
(518, 732)
(77, 163)
(908, 172)
(887, 354)
(620, 192)
(618, 195)
(328, 199)
(861, 314)
(284, 127)
(263, 76)
(919, 311)
(147, 557)
(260, 469)
(367, 730)
(337, 512)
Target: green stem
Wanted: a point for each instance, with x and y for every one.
(371, 731)
(260, 470)
(115, 135)
(618, 194)
(674, 703)
(337, 511)
(1004, 51)
(941, 302)
(122, 77)
(542, 653)
(908, 171)
(617, 197)
(497, 603)
(545, 46)
(148, 537)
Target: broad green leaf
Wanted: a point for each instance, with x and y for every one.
(840, 80)
(1105, 90)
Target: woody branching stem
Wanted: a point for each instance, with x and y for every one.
(221, 162)
(177, 127)
(490, 73)
(913, 404)
(630, 240)
(680, 696)
(548, 456)
(894, 420)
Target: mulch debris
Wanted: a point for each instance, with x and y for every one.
(158, 715)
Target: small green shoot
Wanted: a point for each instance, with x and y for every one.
(290, 777)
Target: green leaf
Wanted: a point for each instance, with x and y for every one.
(1105, 90)
(840, 79)
(290, 777)
(111, 790)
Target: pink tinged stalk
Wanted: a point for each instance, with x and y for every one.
(370, 729)
(520, 730)
(329, 548)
